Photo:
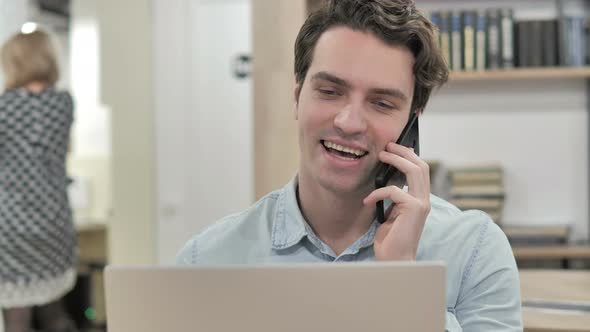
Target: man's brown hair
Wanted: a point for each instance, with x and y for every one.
(395, 22)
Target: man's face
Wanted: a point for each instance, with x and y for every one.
(356, 97)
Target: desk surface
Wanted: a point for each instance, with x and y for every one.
(557, 285)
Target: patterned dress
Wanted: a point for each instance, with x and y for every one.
(37, 237)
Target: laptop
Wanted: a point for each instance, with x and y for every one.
(341, 297)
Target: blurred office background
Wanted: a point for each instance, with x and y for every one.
(184, 115)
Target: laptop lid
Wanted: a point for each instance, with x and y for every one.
(339, 297)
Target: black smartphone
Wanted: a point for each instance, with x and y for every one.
(387, 173)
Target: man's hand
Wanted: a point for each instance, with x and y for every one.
(397, 238)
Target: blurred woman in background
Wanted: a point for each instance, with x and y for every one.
(37, 237)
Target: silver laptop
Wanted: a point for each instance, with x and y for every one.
(343, 297)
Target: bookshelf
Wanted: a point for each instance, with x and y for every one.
(522, 74)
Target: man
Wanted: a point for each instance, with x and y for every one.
(361, 69)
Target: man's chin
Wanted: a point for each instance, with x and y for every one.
(345, 186)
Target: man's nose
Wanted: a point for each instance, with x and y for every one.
(351, 120)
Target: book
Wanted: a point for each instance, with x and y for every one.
(435, 18)
(522, 43)
(456, 42)
(475, 177)
(478, 190)
(468, 18)
(550, 43)
(476, 174)
(562, 36)
(445, 36)
(478, 203)
(587, 40)
(578, 41)
(480, 41)
(493, 39)
(536, 44)
(507, 37)
(477, 166)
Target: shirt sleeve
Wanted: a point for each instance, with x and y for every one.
(489, 299)
(452, 324)
(188, 254)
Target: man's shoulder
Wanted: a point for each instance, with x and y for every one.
(463, 240)
(446, 216)
(448, 226)
(232, 237)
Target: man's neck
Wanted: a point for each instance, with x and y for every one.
(338, 220)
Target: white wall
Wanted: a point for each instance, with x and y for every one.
(203, 117)
(221, 112)
(89, 162)
(536, 128)
(92, 127)
(126, 73)
(12, 15)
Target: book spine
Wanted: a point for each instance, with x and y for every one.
(493, 39)
(536, 46)
(579, 41)
(480, 41)
(445, 36)
(568, 41)
(507, 33)
(456, 41)
(468, 41)
(522, 45)
(562, 41)
(549, 44)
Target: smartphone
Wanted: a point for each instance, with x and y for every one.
(387, 173)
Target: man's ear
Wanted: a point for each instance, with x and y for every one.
(296, 93)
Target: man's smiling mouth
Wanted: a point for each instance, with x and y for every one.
(343, 151)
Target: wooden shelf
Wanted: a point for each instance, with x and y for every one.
(521, 74)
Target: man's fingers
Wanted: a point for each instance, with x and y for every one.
(393, 193)
(417, 175)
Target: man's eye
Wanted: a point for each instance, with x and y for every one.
(328, 92)
(383, 105)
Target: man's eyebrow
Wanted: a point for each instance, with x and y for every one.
(395, 93)
(322, 75)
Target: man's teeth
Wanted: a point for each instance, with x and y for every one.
(334, 146)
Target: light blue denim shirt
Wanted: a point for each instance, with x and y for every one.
(483, 288)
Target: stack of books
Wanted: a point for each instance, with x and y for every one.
(437, 177)
(479, 188)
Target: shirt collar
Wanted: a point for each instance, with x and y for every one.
(289, 226)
